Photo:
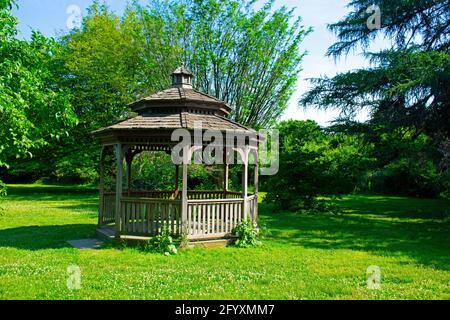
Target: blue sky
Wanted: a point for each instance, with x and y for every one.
(50, 17)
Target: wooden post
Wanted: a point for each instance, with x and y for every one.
(177, 177)
(101, 188)
(225, 177)
(129, 159)
(119, 174)
(256, 189)
(225, 174)
(184, 198)
(245, 184)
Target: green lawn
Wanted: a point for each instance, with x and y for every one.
(303, 257)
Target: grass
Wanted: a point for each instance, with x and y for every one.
(303, 257)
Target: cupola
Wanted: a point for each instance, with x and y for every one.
(182, 78)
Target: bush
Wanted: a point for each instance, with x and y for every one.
(312, 163)
(162, 243)
(322, 206)
(248, 234)
(407, 165)
(3, 189)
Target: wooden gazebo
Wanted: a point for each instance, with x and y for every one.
(197, 215)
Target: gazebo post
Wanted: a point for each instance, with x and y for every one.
(129, 159)
(256, 187)
(184, 198)
(101, 188)
(245, 182)
(119, 175)
(177, 179)
(225, 174)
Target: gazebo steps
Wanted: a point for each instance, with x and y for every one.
(109, 234)
(105, 233)
(217, 243)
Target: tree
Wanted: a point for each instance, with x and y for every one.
(408, 84)
(249, 58)
(406, 165)
(406, 88)
(34, 110)
(314, 162)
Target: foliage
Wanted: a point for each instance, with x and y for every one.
(407, 165)
(3, 189)
(34, 110)
(322, 206)
(407, 84)
(162, 243)
(153, 171)
(248, 234)
(246, 56)
(314, 162)
(407, 22)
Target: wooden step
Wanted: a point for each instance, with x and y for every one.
(105, 233)
(217, 243)
(109, 233)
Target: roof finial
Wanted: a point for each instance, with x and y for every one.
(182, 78)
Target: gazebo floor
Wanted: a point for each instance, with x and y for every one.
(108, 232)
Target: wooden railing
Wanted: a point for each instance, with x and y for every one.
(213, 195)
(107, 212)
(213, 218)
(252, 207)
(153, 194)
(210, 214)
(142, 216)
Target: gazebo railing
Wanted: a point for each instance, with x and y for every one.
(213, 218)
(210, 214)
(252, 207)
(142, 216)
(107, 210)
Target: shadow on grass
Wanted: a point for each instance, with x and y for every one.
(50, 193)
(45, 237)
(375, 226)
(90, 207)
(52, 197)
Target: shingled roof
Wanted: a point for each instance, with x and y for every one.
(177, 97)
(178, 107)
(174, 121)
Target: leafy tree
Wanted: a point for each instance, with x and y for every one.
(314, 162)
(34, 110)
(406, 89)
(246, 57)
(408, 84)
(249, 58)
(406, 165)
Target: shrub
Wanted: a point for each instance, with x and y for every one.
(322, 206)
(312, 163)
(3, 189)
(162, 243)
(248, 234)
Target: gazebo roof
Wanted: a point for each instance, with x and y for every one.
(183, 120)
(179, 96)
(179, 107)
